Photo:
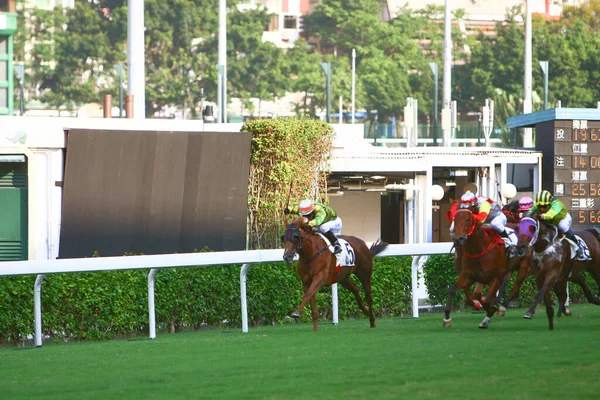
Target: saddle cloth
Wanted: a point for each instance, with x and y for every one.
(346, 257)
(585, 253)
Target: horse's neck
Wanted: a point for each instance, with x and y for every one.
(310, 246)
(478, 240)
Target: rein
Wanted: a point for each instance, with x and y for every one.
(496, 241)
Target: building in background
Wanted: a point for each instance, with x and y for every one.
(8, 27)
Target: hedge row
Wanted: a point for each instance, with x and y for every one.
(107, 305)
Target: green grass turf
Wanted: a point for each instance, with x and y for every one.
(403, 358)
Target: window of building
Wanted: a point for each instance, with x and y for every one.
(3, 70)
(290, 22)
(274, 24)
(3, 97)
(3, 5)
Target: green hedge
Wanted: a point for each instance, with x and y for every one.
(107, 305)
(440, 274)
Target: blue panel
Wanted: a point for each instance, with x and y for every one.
(530, 120)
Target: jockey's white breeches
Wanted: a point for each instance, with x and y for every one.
(498, 223)
(334, 226)
(565, 224)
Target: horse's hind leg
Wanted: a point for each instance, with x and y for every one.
(549, 310)
(314, 313)
(351, 286)
(560, 289)
(478, 294)
(489, 304)
(580, 280)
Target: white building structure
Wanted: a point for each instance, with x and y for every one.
(362, 176)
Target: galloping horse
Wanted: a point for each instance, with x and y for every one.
(317, 266)
(552, 264)
(480, 257)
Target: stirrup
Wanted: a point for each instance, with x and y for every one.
(337, 248)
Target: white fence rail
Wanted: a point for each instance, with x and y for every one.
(156, 262)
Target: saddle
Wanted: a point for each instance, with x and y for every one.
(585, 251)
(347, 257)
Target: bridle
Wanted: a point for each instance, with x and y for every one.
(473, 222)
(294, 236)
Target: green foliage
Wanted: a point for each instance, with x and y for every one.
(288, 163)
(108, 305)
(440, 274)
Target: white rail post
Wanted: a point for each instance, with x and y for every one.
(151, 311)
(414, 281)
(37, 309)
(243, 273)
(334, 303)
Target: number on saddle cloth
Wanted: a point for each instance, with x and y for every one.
(346, 257)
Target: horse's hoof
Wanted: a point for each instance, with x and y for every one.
(528, 316)
(568, 312)
(476, 304)
(296, 314)
(501, 313)
(448, 323)
(483, 326)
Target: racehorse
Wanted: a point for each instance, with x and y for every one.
(511, 210)
(480, 257)
(552, 265)
(317, 266)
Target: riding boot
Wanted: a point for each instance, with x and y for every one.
(571, 236)
(504, 235)
(511, 249)
(337, 249)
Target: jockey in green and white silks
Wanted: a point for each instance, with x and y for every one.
(322, 218)
(555, 212)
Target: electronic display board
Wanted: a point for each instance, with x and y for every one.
(576, 170)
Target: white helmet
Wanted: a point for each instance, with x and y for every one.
(306, 207)
(468, 199)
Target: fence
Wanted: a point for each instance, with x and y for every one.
(156, 262)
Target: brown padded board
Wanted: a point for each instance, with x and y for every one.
(154, 192)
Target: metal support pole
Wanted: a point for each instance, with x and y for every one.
(353, 86)
(151, 310)
(414, 281)
(222, 63)
(527, 98)
(119, 69)
(243, 273)
(546, 69)
(334, 303)
(434, 69)
(447, 71)
(37, 309)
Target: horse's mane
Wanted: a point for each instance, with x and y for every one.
(302, 224)
(512, 207)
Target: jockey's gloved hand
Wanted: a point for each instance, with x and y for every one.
(286, 211)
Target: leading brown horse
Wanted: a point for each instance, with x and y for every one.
(480, 257)
(317, 266)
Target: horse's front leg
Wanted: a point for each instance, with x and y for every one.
(461, 283)
(549, 310)
(310, 291)
(489, 304)
(521, 275)
(478, 294)
(469, 298)
(544, 284)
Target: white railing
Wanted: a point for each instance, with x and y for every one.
(156, 262)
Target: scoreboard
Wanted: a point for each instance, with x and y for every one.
(575, 169)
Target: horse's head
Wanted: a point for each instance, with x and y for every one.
(534, 232)
(293, 238)
(527, 233)
(464, 225)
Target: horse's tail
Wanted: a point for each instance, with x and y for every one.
(377, 247)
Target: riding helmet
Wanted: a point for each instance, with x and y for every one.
(306, 207)
(543, 198)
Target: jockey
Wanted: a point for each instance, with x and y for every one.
(555, 212)
(525, 204)
(322, 218)
(485, 210)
